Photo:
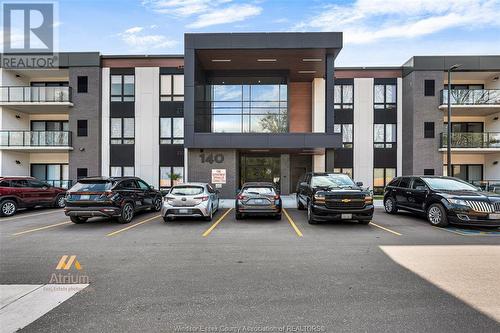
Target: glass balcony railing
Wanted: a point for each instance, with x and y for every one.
(472, 140)
(35, 94)
(35, 138)
(59, 183)
(471, 96)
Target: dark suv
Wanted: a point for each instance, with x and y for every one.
(334, 196)
(27, 192)
(116, 197)
(443, 200)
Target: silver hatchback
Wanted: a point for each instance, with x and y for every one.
(190, 200)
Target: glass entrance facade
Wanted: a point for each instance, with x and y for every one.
(260, 169)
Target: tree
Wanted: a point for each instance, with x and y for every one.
(274, 123)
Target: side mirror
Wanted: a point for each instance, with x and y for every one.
(151, 187)
(359, 184)
(303, 184)
(217, 191)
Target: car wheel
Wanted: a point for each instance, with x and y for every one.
(436, 215)
(210, 215)
(239, 216)
(60, 202)
(157, 204)
(127, 213)
(390, 206)
(310, 215)
(167, 219)
(8, 208)
(277, 217)
(78, 220)
(364, 221)
(300, 206)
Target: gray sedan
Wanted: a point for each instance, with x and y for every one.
(190, 200)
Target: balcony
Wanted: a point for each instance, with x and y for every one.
(475, 102)
(472, 142)
(36, 141)
(36, 99)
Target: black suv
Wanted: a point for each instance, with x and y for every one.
(118, 197)
(443, 200)
(333, 196)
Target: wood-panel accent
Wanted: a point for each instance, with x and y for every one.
(300, 107)
(367, 73)
(142, 62)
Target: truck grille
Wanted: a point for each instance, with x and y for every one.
(338, 204)
(482, 207)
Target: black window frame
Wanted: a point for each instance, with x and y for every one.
(345, 144)
(385, 144)
(429, 172)
(429, 133)
(385, 105)
(82, 130)
(122, 96)
(82, 84)
(172, 140)
(171, 97)
(122, 140)
(79, 171)
(343, 105)
(429, 88)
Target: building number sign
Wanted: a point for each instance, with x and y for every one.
(211, 158)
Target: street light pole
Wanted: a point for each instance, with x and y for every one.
(448, 132)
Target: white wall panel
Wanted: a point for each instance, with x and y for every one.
(105, 122)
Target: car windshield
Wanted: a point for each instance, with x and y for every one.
(332, 180)
(186, 190)
(449, 184)
(96, 186)
(259, 190)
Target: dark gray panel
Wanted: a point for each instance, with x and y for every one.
(171, 109)
(343, 158)
(171, 155)
(122, 109)
(385, 158)
(121, 155)
(249, 140)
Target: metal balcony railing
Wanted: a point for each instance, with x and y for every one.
(13, 94)
(471, 96)
(472, 140)
(35, 138)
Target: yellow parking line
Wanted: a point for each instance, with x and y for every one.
(3, 219)
(206, 233)
(132, 226)
(299, 233)
(41, 228)
(386, 229)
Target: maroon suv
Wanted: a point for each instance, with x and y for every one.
(27, 192)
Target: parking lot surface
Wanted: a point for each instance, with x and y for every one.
(396, 274)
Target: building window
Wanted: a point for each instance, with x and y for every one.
(385, 96)
(171, 87)
(382, 177)
(49, 125)
(171, 131)
(343, 96)
(347, 171)
(171, 176)
(82, 84)
(428, 172)
(122, 88)
(429, 87)
(122, 131)
(346, 131)
(122, 171)
(54, 174)
(81, 173)
(384, 135)
(82, 129)
(468, 172)
(429, 130)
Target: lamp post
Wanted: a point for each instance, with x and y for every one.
(448, 132)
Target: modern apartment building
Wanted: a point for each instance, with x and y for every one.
(249, 106)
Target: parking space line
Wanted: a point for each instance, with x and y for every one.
(479, 233)
(386, 229)
(209, 230)
(41, 228)
(132, 226)
(30, 215)
(294, 226)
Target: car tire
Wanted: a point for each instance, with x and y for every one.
(167, 219)
(436, 215)
(364, 221)
(157, 204)
(60, 202)
(310, 215)
(127, 213)
(239, 216)
(78, 220)
(300, 206)
(210, 215)
(390, 206)
(277, 217)
(8, 208)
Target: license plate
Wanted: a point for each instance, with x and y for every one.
(259, 201)
(183, 211)
(85, 197)
(346, 216)
(494, 216)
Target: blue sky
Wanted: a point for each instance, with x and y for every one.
(376, 32)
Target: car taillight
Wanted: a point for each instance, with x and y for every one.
(205, 198)
(241, 197)
(276, 197)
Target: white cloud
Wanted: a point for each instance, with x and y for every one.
(366, 21)
(139, 40)
(205, 12)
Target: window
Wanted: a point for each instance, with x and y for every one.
(36, 183)
(122, 88)
(81, 173)
(19, 183)
(418, 184)
(467, 172)
(142, 185)
(382, 177)
(49, 125)
(343, 96)
(122, 131)
(171, 130)
(429, 86)
(82, 129)
(82, 84)
(347, 171)
(53, 174)
(405, 182)
(394, 182)
(429, 130)
(384, 135)
(385, 96)
(171, 87)
(428, 172)
(171, 176)
(346, 130)
(122, 171)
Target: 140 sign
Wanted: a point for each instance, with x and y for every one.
(211, 158)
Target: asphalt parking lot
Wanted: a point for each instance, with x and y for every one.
(396, 274)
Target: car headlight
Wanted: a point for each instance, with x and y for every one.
(368, 200)
(458, 202)
(169, 199)
(319, 197)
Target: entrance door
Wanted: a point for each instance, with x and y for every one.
(260, 169)
(297, 173)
